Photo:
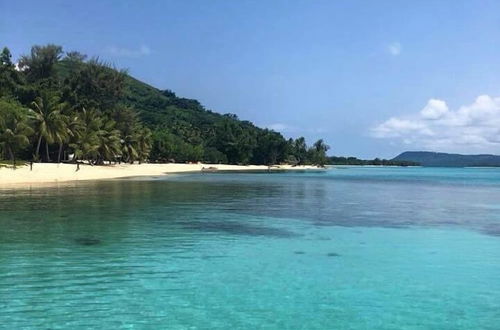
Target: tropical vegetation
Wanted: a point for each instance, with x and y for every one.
(370, 162)
(58, 106)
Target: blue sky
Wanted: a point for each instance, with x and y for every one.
(373, 78)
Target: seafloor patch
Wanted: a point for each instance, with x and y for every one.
(239, 228)
(87, 241)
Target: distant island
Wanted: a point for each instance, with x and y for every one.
(441, 159)
(333, 160)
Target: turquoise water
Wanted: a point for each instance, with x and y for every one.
(351, 248)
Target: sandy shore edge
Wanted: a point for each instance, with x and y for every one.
(53, 173)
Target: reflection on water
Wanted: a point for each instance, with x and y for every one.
(354, 248)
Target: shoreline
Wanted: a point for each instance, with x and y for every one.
(62, 172)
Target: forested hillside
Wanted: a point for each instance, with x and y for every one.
(440, 159)
(54, 104)
(369, 162)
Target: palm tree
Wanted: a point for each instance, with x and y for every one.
(300, 150)
(109, 141)
(40, 63)
(144, 143)
(129, 147)
(15, 134)
(127, 123)
(74, 127)
(320, 146)
(86, 143)
(51, 125)
(319, 150)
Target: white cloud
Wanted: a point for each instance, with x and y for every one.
(286, 128)
(279, 127)
(396, 127)
(394, 48)
(129, 52)
(470, 128)
(18, 68)
(434, 109)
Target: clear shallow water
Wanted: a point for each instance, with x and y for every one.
(355, 248)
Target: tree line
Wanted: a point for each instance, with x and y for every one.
(60, 106)
(373, 162)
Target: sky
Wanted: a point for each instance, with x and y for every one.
(373, 78)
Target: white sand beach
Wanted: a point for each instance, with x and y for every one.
(51, 173)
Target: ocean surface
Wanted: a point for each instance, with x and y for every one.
(346, 248)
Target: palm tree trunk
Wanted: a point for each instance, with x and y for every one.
(37, 155)
(47, 151)
(60, 152)
(12, 156)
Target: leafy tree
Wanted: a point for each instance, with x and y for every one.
(40, 64)
(234, 141)
(74, 127)
(6, 57)
(129, 147)
(50, 123)
(318, 152)
(214, 156)
(108, 138)
(95, 86)
(75, 56)
(14, 128)
(87, 144)
(271, 149)
(144, 143)
(9, 77)
(299, 150)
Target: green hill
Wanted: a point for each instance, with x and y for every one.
(102, 114)
(439, 159)
(183, 130)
